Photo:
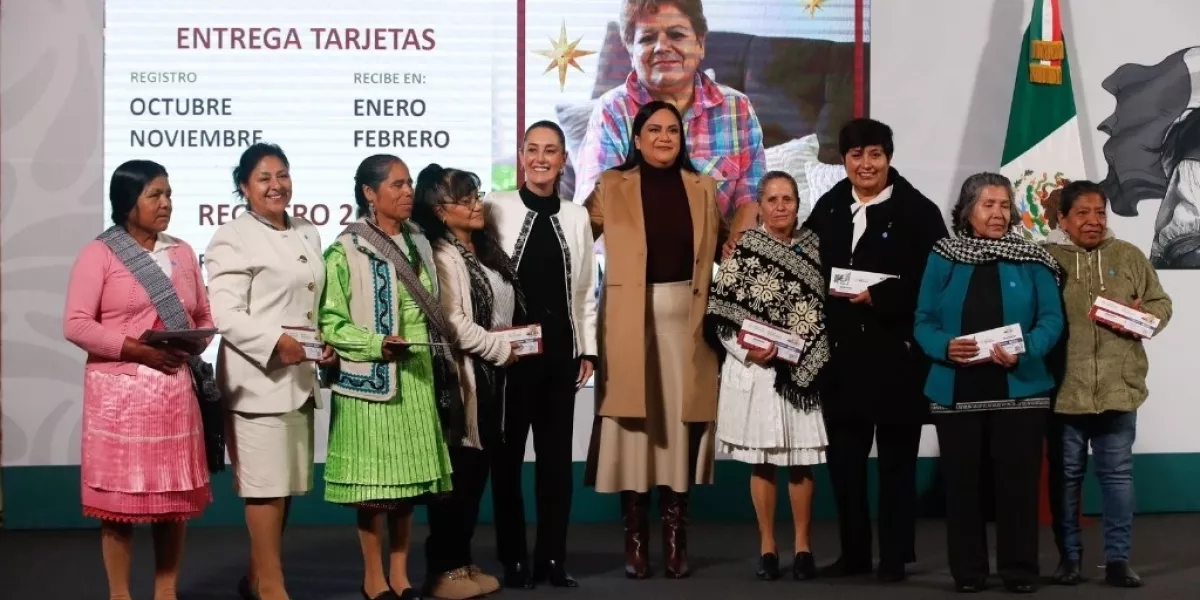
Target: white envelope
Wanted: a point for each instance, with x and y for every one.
(1008, 337)
(850, 283)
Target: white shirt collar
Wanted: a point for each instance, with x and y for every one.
(880, 199)
(164, 242)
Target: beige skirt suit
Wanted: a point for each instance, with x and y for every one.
(656, 385)
(261, 280)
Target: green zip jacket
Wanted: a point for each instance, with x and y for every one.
(1104, 370)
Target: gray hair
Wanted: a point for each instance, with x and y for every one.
(960, 217)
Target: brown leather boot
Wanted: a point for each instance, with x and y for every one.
(637, 534)
(674, 530)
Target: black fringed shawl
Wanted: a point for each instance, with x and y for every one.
(780, 285)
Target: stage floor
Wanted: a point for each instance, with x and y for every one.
(322, 563)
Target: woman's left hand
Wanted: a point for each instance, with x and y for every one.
(863, 297)
(329, 358)
(585, 373)
(1003, 357)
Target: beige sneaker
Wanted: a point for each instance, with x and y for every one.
(455, 585)
(487, 583)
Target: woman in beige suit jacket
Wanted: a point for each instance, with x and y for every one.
(265, 273)
(657, 385)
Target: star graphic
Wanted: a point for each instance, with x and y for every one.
(563, 54)
(812, 6)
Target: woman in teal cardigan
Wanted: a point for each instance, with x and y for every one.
(990, 401)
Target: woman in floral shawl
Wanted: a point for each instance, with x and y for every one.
(769, 412)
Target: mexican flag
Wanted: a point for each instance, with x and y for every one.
(1042, 149)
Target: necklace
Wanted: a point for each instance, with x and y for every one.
(414, 259)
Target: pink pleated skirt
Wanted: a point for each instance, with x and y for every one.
(143, 447)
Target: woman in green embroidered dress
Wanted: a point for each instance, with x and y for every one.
(387, 449)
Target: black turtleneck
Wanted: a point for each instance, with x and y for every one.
(668, 218)
(543, 276)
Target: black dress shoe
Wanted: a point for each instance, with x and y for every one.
(386, 595)
(768, 567)
(969, 587)
(553, 572)
(890, 572)
(408, 594)
(845, 568)
(804, 567)
(246, 590)
(1067, 573)
(517, 576)
(1120, 574)
(1017, 587)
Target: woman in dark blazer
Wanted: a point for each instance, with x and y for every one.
(874, 221)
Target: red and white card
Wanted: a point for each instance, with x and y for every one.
(789, 346)
(310, 338)
(1124, 318)
(528, 338)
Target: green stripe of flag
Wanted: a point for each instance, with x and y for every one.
(1037, 109)
(1035, 24)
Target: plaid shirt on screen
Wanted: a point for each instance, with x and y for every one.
(724, 139)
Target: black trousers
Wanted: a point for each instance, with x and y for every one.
(849, 448)
(1013, 440)
(452, 519)
(1054, 458)
(541, 397)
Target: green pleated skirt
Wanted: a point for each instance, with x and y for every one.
(382, 453)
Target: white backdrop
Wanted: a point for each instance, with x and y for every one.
(941, 75)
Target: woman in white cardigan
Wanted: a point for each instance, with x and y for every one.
(265, 273)
(551, 245)
(478, 296)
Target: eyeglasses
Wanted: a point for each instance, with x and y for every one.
(470, 201)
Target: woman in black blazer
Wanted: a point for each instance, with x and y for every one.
(875, 221)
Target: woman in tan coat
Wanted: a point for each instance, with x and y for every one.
(657, 386)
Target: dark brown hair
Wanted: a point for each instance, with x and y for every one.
(635, 9)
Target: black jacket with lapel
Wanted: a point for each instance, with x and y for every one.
(877, 371)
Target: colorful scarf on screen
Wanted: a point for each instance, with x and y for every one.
(780, 285)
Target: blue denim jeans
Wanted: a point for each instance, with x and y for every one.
(1111, 435)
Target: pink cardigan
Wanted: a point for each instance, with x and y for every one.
(105, 304)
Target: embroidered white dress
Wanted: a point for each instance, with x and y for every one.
(756, 425)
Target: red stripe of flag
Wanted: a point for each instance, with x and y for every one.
(1057, 33)
(1057, 29)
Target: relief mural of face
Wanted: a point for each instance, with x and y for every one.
(1153, 152)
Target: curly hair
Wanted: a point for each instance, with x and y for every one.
(968, 196)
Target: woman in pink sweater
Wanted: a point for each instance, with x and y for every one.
(143, 447)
